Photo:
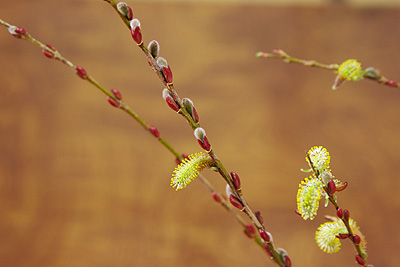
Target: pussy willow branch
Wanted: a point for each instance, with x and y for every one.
(333, 200)
(123, 106)
(218, 164)
(374, 75)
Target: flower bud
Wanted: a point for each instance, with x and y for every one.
(346, 215)
(266, 236)
(269, 252)
(125, 10)
(81, 72)
(117, 94)
(135, 31)
(113, 102)
(154, 131)
(357, 239)
(166, 70)
(17, 32)
(236, 202)
(250, 230)
(154, 48)
(372, 73)
(188, 104)
(216, 197)
(235, 179)
(200, 134)
(392, 83)
(331, 187)
(170, 101)
(47, 53)
(326, 177)
(259, 217)
(284, 256)
(339, 213)
(360, 260)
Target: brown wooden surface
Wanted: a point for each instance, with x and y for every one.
(81, 184)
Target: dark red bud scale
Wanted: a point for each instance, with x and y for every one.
(259, 217)
(269, 252)
(117, 94)
(137, 35)
(357, 239)
(264, 236)
(81, 72)
(154, 131)
(288, 262)
(171, 103)
(216, 197)
(339, 213)
(167, 74)
(235, 202)
(205, 144)
(331, 187)
(113, 102)
(195, 115)
(391, 83)
(235, 179)
(360, 260)
(21, 31)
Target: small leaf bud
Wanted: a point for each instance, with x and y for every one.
(135, 31)
(360, 260)
(17, 32)
(259, 217)
(188, 104)
(269, 252)
(331, 187)
(113, 102)
(201, 137)
(357, 239)
(47, 53)
(170, 101)
(81, 72)
(154, 48)
(392, 83)
(235, 179)
(154, 131)
(125, 10)
(339, 213)
(235, 202)
(216, 197)
(117, 94)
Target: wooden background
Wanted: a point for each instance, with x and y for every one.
(81, 184)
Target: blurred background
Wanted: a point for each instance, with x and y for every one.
(82, 184)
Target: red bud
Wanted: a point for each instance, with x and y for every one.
(81, 72)
(259, 217)
(288, 262)
(205, 144)
(137, 35)
(235, 179)
(216, 197)
(264, 236)
(357, 239)
(235, 202)
(117, 94)
(167, 74)
(154, 131)
(331, 187)
(112, 102)
(360, 260)
(391, 83)
(171, 103)
(339, 213)
(269, 252)
(342, 236)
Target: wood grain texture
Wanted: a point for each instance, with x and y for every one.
(82, 185)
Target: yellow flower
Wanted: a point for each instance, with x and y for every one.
(327, 232)
(320, 158)
(308, 197)
(189, 169)
(350, 70)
